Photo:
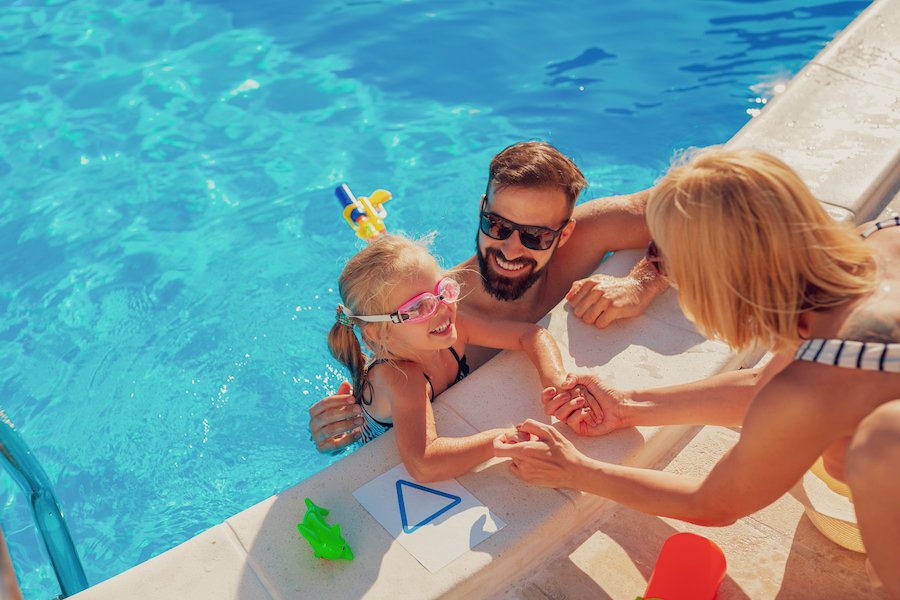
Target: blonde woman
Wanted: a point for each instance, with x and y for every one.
(403, 306)
(756, 259)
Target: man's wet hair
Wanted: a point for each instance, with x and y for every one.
(536, 164)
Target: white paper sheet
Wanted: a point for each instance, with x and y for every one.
(436, 522)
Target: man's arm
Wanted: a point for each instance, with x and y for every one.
(620, 220)
(606, 225)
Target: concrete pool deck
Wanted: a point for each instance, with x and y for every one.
(838, 124)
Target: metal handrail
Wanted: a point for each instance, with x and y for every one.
(48, 518)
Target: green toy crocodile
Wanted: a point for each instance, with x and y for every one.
(326, 540)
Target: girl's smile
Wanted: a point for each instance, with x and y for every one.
(442, 329)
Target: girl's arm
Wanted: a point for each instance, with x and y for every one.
(535, 341)
(785, 430)
(427, 456)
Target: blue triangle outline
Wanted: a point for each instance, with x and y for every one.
(404, 519)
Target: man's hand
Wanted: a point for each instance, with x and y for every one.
(336, 421)
(601, 299)
(587, 405)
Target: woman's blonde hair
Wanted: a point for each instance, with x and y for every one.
(750, 248)
(365, 285)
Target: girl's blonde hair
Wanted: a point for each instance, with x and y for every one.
(364, 285)
(750, 248)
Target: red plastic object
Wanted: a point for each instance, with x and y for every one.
(689, 567)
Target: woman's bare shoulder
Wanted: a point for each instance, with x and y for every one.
(879, 324)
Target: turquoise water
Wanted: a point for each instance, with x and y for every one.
(169, 237)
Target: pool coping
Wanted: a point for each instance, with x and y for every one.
(843, 141)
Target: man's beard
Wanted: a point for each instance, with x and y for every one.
(500, 287)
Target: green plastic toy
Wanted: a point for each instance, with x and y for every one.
(326, 540)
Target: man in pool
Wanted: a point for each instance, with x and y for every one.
(529, 254)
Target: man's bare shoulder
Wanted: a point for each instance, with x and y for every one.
(596, 208)
(603, 225)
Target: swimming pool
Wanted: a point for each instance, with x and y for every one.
(170, 240)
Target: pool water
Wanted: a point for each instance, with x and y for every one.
(170, 240)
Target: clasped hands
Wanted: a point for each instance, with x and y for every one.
(540, 453)
(584, 403)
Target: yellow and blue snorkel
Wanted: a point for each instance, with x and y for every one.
(364, 215)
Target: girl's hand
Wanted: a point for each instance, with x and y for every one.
(588, 406)
(514, 436)
(550, 460)
(561, 381)
(575, 408)
(584, 422)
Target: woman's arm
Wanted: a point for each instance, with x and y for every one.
(427, 456)
(718, 400)
(785, 430)
(535, 341)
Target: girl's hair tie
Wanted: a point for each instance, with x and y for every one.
(342, 317)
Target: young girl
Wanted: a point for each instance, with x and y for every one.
(404, 307)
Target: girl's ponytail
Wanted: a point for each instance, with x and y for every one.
(344, 346)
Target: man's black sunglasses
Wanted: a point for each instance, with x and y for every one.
(534, 237)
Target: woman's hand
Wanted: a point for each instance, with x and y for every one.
(586, 404)
(546, 459)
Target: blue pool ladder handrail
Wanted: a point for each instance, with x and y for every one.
(48, 517)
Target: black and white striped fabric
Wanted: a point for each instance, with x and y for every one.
(882, 224)
(372, 428)
(870, 356)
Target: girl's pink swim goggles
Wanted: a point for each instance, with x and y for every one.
(420, 307)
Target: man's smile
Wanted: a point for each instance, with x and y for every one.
(508, 265)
